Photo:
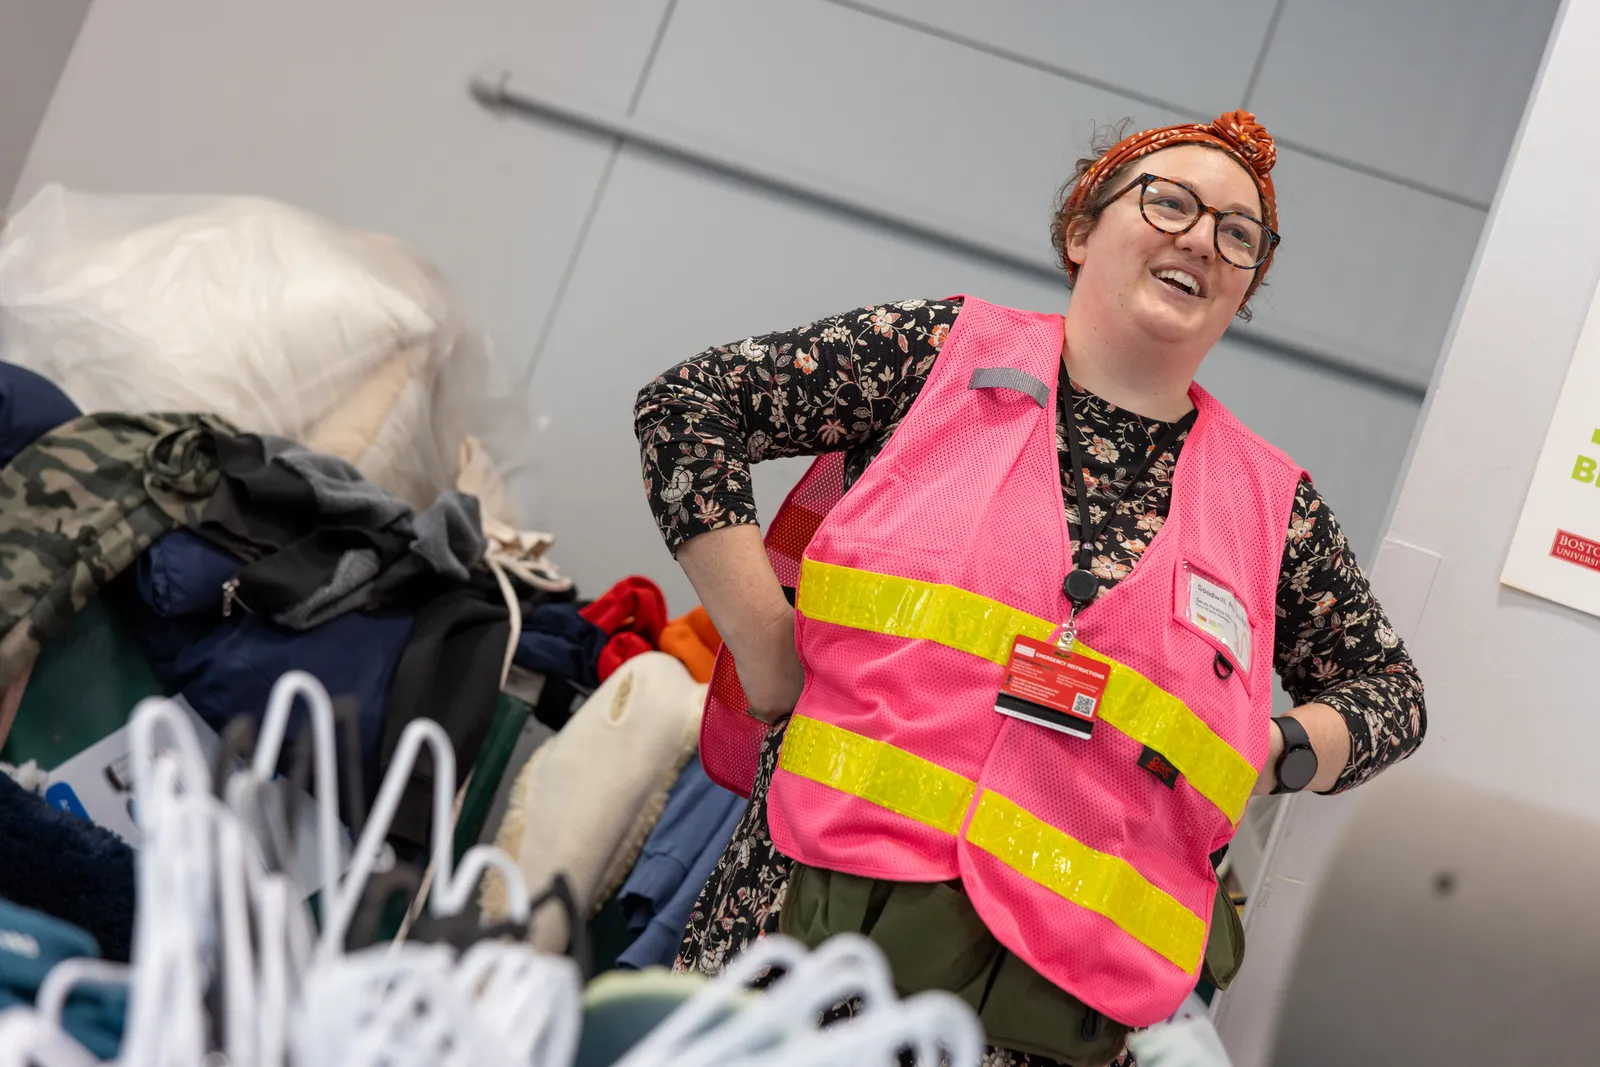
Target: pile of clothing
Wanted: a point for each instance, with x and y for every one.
(233, 557)
(238, 440)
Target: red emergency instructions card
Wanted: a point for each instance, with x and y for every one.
(1045, 686)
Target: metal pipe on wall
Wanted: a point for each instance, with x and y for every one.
(501, 90)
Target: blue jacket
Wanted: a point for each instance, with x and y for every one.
(30, 407)
(678, 858)
(225, 665)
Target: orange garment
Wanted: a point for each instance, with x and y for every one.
(694, 640)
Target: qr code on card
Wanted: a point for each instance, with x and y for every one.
(1083, 704)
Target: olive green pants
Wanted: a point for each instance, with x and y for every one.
(933, 939)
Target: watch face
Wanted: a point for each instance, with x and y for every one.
(1297, 768)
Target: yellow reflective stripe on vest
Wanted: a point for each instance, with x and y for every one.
(904, 607)
(955, 618)
(918, 789)
(876, 772)
(1101, 882)
(1150, 715)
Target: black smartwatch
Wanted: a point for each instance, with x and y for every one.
(1298, 763)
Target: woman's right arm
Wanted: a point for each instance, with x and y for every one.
(836, 384)
(729, 570)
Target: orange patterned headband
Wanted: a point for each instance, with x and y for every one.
(1237, 133)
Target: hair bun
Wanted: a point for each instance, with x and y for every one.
(1249, 138)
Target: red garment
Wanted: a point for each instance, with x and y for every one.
(633, 612)
(619, 650)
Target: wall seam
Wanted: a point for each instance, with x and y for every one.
(1261, 56)
(1183, 111)
(593, 210)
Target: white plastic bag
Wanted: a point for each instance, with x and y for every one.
(272, 317)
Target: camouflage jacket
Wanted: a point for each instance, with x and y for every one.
(79, 506)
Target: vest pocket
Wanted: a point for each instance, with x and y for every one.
(1210, 609)
(1225, 947)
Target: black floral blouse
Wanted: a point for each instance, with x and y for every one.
(843, 384)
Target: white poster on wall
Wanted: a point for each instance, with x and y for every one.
(1555, 552)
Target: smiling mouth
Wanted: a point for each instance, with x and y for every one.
(1182, 281)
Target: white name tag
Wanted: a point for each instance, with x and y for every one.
(1214, 609)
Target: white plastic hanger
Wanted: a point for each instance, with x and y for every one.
(405, 1004)
(212, 910)
(173, 836)
(264, 946)
(722, 997)
(392, 976)
(453, 889)
(420, 1005)
(725, 1024)
(171, 787)
(220, 912)
(841, 968)
(173, 940)
(65, 977)
(531, 1004)
(28, 1039)
(1187, 1042)
(937, 1027)
(379, 1007)
(325, 767)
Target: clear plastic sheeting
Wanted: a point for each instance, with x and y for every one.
(278, 320)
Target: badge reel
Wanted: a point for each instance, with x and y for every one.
(1050, 684)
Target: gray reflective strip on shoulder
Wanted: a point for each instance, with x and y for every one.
(1010, 378)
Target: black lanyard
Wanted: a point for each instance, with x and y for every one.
(1082, 590)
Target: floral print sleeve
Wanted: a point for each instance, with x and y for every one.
(839, 384)
(1335, 646)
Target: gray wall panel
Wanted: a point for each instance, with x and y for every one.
(35, 38)
(869, 103)
(1197, 55)
(1430, 89)
(1368, 268)
(1351, 439)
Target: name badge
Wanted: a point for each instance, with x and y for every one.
(1047, 687)
(1215, 610)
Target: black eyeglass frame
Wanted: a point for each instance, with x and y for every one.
(1142, 182)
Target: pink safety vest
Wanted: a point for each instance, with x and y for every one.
(911, 589)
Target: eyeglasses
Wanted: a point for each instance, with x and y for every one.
(1174, 208)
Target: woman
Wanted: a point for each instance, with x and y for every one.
(1078, 822)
